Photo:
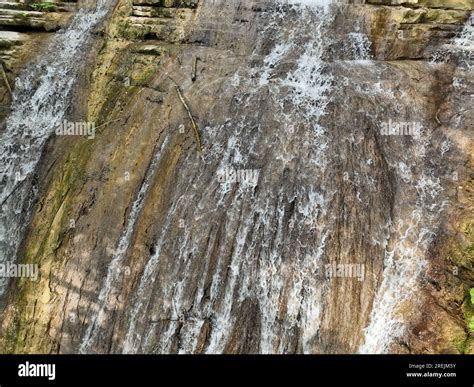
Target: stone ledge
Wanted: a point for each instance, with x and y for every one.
(440, 4)
(401, 32)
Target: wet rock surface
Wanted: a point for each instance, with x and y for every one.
(146, 245)
(25, 30)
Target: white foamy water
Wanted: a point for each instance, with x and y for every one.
(309, 3)
(41, 99)
(274, 235)
(404, 264)
(419, 207)
(410, 236)
(460, 47)
(466, 38)
(259, 267)
(359, 46)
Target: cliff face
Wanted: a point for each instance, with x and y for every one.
(146, 244)
(25, 30)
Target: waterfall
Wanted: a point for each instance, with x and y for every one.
(41, 99)
(247, 273)
(408, 242)
(460, 48)
(465, 43)
(466, 37)
(294, 177)
(413, 229)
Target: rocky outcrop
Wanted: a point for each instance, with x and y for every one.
(142, 249)
(25, 29)
(413, 29)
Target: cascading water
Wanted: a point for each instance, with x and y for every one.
(461, 47)
(256, 263)
(465, 43)
(411, 234)
(262, 277)
(466, 38)
(420, 181)
(228, 251)
(41, 100)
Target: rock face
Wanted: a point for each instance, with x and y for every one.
(330, 210)
(25, 29)
(415, 30)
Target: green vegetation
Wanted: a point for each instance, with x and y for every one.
(470, 312)
(43, 7)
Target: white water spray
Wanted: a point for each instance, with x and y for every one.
(41, 100)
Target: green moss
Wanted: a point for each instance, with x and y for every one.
(461, 344)
(43, 7)
(464, 343)
(129, 31)
(469, 311)
(21, 16)
(462, 254)
(48, 235)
